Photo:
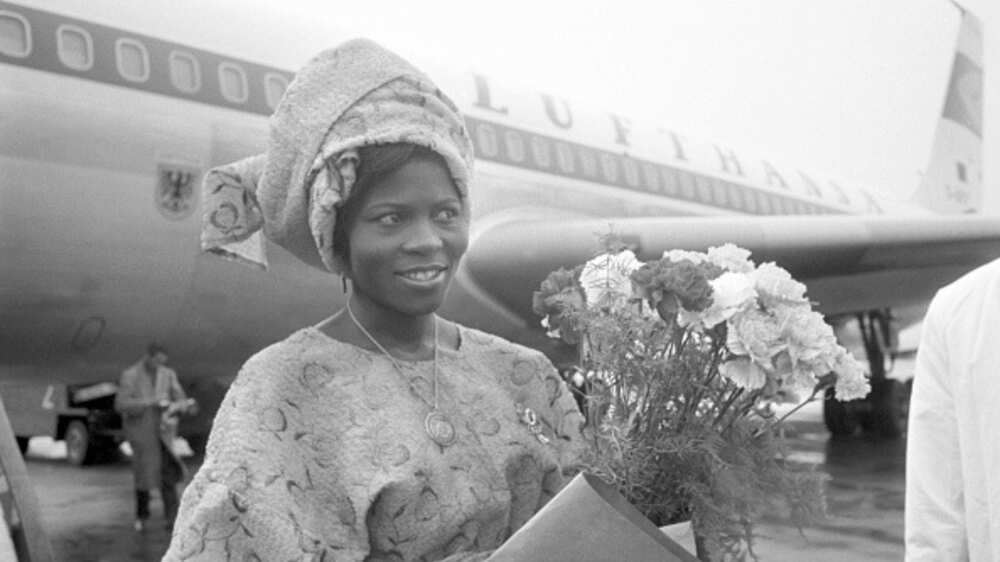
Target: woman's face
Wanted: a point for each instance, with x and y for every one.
(407, 238)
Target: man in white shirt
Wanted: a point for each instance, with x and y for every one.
(953, 448)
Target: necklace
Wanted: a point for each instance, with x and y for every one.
(438, 427)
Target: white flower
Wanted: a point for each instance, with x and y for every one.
(775, 284)
(755, 333)
(744, 373)
(605, 279)
(851, 380)
(802, 380)
(731, 292)
(731, 258)
(809, 337)
(681, 255)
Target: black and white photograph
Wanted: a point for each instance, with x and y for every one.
(460, 281)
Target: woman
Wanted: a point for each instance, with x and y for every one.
(385, 432)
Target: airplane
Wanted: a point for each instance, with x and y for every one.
(108, 121)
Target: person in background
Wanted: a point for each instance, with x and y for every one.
(953, 452)
(384, 432)
(150, 399)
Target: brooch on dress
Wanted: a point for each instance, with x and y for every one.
(530, 418)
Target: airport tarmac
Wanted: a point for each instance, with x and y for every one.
(88, 512)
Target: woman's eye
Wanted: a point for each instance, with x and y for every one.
(447, 214)
(390, 219)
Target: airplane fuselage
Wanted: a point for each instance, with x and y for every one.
(105, 134)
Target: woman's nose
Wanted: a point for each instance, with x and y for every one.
(423, 236)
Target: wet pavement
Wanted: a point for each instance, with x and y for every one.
(88, 512)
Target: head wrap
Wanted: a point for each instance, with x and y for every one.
(357, 94)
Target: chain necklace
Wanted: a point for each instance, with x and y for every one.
(438, 427)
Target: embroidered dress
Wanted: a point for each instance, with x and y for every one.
(319, 452)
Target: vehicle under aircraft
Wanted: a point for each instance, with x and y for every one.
(108, 122)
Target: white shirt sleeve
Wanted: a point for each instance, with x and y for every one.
(935, 523)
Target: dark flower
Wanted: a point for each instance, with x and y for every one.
(558, 299)
(666, 283)
(558, 292)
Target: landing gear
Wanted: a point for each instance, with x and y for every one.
(883, 412)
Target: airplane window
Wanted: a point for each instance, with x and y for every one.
(540, 150)
(233, 82)
(704, 189)
(609, 168)
(185, 74)
(719, 194)
(733, 195)
(686, 181)
(132, 59)
(671, 182)
(274, 88)
(564, 156)
(631, 172)
(515, 146)
(652, 176)
(763, 203)
(76, 48)
(15, 35)
(487, 137)
(749, 201)
(588, 162)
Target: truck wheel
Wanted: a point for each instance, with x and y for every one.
(78, 449)
(22, 443)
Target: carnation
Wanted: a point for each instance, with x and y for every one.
(755, 333)
(731, 293)
(731, 258)
(606, 279)
(851, 380)
(684, 255)
(776, 285)
(677, 283)
(558, 298)
(744, 372)
(807, 334)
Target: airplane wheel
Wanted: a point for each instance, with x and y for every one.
(840, 417)
(78, 449)
(22, 443)
(888, 408)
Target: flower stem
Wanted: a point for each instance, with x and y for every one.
(779, 421)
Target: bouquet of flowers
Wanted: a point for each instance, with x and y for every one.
(684, 361)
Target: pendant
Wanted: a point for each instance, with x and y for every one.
(529, 418)
(439, 428)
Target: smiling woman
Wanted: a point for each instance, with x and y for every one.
(385, 432)
(404, 230)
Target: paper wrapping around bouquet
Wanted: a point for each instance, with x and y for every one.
(589, 520)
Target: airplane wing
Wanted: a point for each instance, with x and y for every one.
(849, 263)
